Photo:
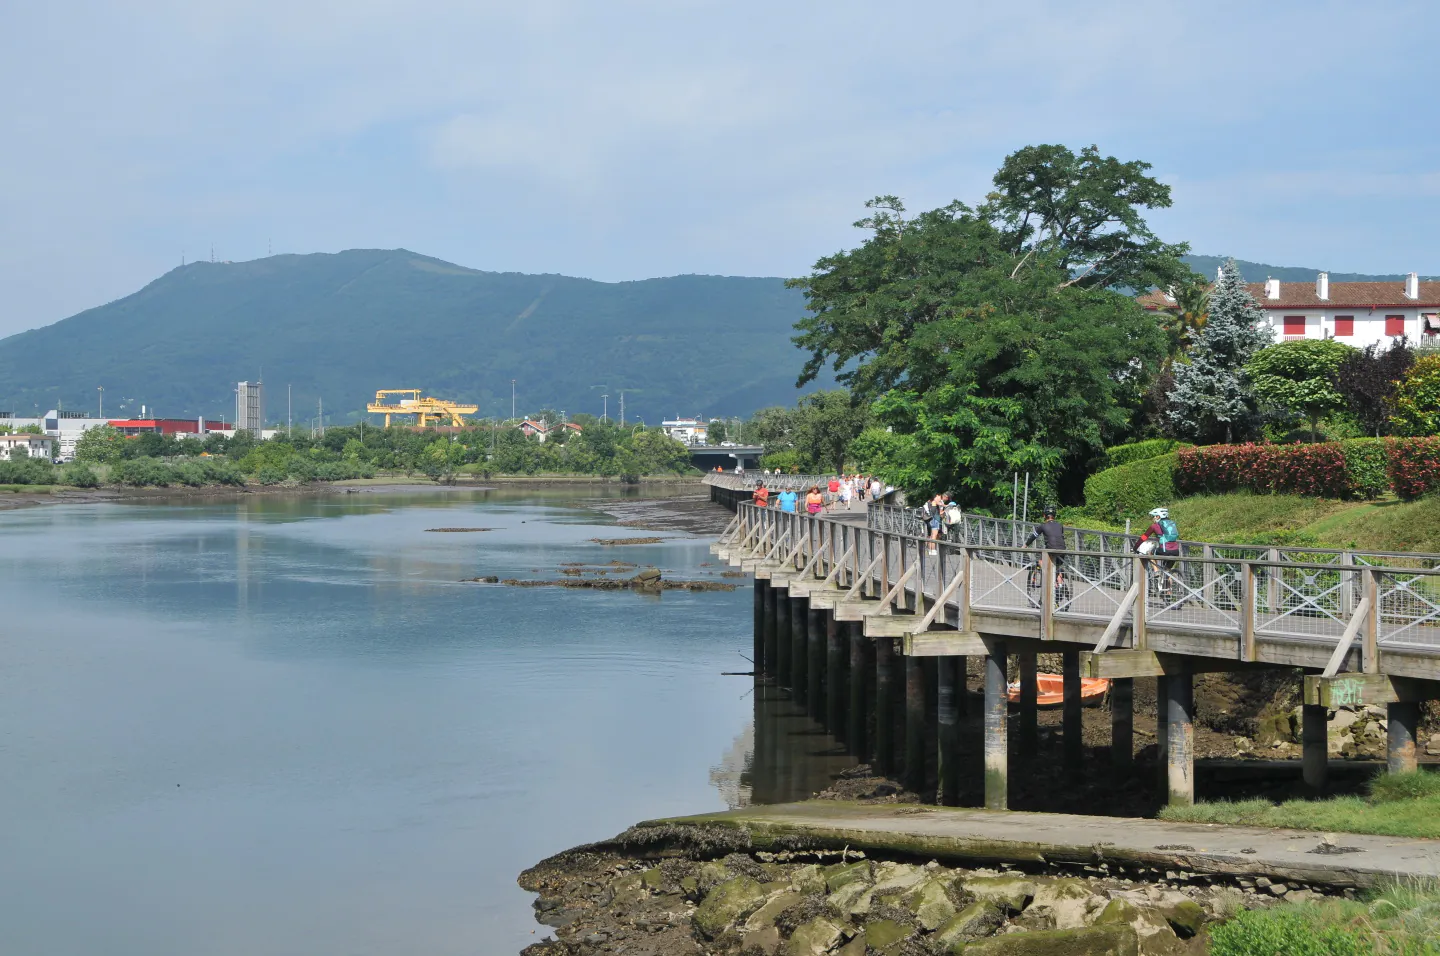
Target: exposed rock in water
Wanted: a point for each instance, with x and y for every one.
(649, 580)
(611, 542)
(459, 529)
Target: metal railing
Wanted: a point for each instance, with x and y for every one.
(1306, 595)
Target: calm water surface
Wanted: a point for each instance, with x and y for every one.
(286, 726)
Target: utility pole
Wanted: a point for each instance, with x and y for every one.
(512, 399)
(287, 411)
(605, 407)
(102, 400)
(622, 408)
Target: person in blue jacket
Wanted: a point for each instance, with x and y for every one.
(787, 501)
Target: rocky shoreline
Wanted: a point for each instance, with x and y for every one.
(681, 890)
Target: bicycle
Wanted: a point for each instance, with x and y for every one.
(1033, 583)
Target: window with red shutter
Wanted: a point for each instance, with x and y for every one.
(1344, 325)
(1394, 325)
(1294, 325)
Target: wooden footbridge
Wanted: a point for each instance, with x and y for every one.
(861, 621)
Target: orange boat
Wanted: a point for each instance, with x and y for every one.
(1050, 690)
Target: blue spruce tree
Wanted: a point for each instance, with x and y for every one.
(1211, 392)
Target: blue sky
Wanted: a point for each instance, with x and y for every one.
(625, 139)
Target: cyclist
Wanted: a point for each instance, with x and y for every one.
(1164, 538)
(1054, 534)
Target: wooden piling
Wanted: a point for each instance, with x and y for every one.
(1162, 735)
(835, 693)
(1122, 722)
(885, 705)
(947, 763)
(757, 659)
(1180, 752)
(1402, 717)
(784, 673)
(1315, 745)
(815, 669)
(1072, 727)
(799, 649)
(997, 781)
(772, 643)
(1029, 743)
(915, 723)
(857, 714)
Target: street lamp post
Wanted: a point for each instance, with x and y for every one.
(102, 400)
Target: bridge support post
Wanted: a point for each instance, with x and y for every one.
(885, 705)
(784, 673)
(834, 676)
(758, 653)
(962, 689)
(772, 650)
(815, 669)
(1029, 743)
(947, 763)
(1122, 721)
(1072, 726)
(799, 648)
(997, 777)
(915, 723)
(1402, 716)
(1315, 745)
(855, 724)
(1180, 754)
(1162, 729)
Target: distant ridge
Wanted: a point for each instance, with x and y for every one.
(339, 326)
(1259, 271)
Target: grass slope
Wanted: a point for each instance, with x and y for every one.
(1244, 518)
(340, 326)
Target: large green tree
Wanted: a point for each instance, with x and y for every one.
(1299, 376)
(996, 337)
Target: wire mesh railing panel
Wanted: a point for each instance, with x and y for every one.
(1088, 586)
(998, 581)
(1409, 610)
(1309, 603)
(1198, 594)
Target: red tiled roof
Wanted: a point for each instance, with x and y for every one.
(1343, 295)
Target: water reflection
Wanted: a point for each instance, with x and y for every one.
(782, 756)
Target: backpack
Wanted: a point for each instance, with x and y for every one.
(1169, 532)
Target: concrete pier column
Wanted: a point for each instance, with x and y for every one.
(915, 723)
(836, 653)
(947, 762)
(997, 776)
(1403, 717)
(1180, 729)
(799, 649)
(772, 643)
(815, 670)
(885, 705)
(1122, 722)
(1162, 734)
(758, 658)
(856, 716)
(1072, 726)
(784, 673)
(1029, 743)
(962, 689)
(1315, 745)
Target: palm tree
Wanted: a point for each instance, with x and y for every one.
(1187, 319)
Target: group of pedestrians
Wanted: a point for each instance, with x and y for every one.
(837, 491)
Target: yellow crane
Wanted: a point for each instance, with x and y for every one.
(423, 408)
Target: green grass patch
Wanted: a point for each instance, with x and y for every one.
(1403, 920)
(27, 489)
(1402, 805)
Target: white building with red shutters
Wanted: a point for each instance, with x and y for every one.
(1356, 313)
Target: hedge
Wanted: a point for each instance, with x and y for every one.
(1133, 489)
(1356, 468)
(1139, 451)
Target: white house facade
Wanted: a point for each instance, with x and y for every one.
(691, 431)
(33, 446)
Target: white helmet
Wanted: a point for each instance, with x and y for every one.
(1161, 513)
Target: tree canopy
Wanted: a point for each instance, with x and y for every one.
(997, 338)
(1300, 375)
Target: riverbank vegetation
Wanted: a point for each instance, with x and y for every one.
(1403, 920)
(1398, 804)
(104, 456)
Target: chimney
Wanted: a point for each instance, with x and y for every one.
(1322, 286)
(1272, 288)
(1412, 286)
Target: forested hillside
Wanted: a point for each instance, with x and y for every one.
(338, 327)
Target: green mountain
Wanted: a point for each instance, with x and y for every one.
(338, 327)
(1259, 271)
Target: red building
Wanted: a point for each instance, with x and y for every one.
(167, 426)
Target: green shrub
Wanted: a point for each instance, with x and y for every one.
(1129, 491)
(786, 461)
(141, 472)
(270, 476)
(1290, 930)
(1139, 451)
(79, 475)
(1365, 460)
(27, 471)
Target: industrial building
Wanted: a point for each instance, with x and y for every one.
(250, 407)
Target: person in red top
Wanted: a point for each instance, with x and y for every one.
(761, 495)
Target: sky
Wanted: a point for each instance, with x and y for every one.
(627, 139)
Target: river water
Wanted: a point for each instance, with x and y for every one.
(285, 726)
